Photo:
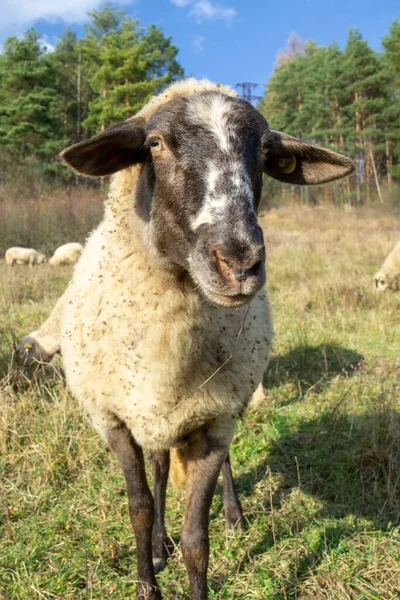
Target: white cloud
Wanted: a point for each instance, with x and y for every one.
(197, 43)
(205, 10)
(44, 42)
(19, 14)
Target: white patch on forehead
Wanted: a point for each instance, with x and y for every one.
(212, 204)
(211, 112)
(217, 205)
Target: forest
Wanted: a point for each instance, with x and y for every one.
(49, 100)
(347, 99)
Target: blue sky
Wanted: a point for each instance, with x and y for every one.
(225, 40)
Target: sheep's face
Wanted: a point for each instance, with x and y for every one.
(381, 283)
(203, 157)
(205, 179)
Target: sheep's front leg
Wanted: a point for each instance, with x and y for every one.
(232, 507)
(204, 460)
(141, 507)
(160, 461)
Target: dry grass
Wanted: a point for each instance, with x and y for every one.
(317, 464)
(47, 219)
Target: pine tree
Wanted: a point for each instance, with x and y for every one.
(52, 99)
(391, 115)
(130, 66)
(27, 92)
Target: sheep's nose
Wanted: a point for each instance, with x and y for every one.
(240, 266)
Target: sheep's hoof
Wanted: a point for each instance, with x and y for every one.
(159, 564)
(162, 547)
(147, 592)
(234, 520)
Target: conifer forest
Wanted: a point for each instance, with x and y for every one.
(347, 99)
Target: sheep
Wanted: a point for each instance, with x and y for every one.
(24, 256)
(166, 325)
(67, 254)
(388, 277)
(43, 344)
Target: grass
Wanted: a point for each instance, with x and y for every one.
(317, 463)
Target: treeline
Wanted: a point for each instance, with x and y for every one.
(348, 100)
(49, 100)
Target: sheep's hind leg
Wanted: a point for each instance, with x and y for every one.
(141, 507)
(160, 462)
(204, 461)
(232, 507)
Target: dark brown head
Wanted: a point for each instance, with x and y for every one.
(203, 158)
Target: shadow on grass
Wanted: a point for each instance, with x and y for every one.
(311, 367)
(350, 463)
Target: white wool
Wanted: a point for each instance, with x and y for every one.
(68, 254)
(23, 256)
(136, 342)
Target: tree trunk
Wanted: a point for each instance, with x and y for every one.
(378, 187)
(389, 162)
(78, 99)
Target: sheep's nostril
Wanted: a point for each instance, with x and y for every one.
(255, 269)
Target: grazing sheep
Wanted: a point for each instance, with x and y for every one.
(166, 326)
(44, 343)
(388, 278)
(68, 254)
(24, 256)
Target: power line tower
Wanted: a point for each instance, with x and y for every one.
(247, 91)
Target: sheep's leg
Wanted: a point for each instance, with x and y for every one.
(204, 461)
(160, 461)
(232, 507)
(141, 507)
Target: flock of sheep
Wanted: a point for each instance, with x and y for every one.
(68, 254)
(165, 328)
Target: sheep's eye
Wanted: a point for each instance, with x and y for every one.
(156, 144)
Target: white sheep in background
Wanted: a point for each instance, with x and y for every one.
(388, 277)
(68, 254)
(166, 326)
(24, 256)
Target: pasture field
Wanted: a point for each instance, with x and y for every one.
(317, 462)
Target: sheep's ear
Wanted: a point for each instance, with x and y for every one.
(112, 150)
(295, 161)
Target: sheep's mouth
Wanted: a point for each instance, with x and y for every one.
(228, 300)
(233, 301)
(225, 296)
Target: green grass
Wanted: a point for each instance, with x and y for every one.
(317, 463)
